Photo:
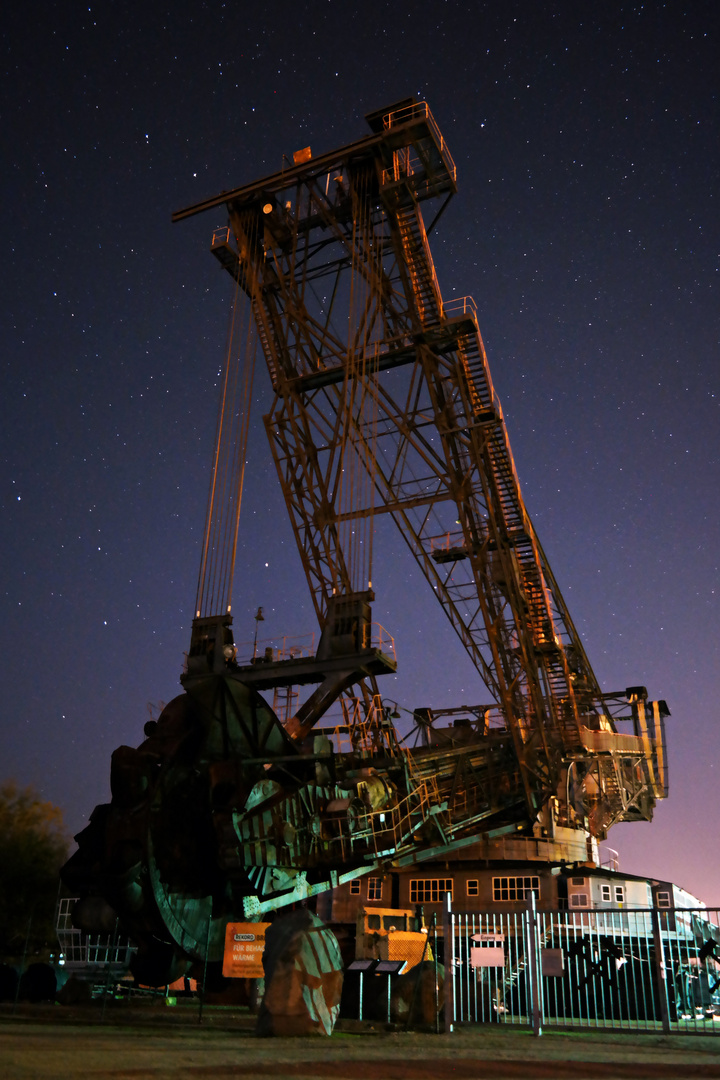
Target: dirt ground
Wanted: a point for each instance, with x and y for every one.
(56, 1043)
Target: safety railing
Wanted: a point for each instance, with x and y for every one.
(377, 637)
(275, 650)
(461, 305)
(80, 950)
(404, 165)
(421, 111)
(220, 236)
(609, 858)
(390, 829)
(448, 544)
(272, 650)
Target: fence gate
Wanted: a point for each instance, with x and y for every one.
(632, 969)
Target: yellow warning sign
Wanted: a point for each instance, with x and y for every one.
(244, 946)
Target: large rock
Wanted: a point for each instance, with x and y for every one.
(303, 977)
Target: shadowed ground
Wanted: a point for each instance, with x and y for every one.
(58, 1043)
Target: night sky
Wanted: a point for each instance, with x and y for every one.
(585, 226)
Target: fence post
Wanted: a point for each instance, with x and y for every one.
(435, 961)
(533, 968)
(110, 956)
(449, 957)
(660, 972)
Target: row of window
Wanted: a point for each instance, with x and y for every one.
(607, 893)
(434, 890)
(515, 888)
(374, 888)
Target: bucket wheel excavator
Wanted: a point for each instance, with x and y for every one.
(382, 404)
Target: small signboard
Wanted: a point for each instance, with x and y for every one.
(361, 965)
(488, 950)
(552, 963)
(244, 947)
(389, 967)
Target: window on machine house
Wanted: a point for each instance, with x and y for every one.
(374, 889)
(430, 890)
(515, 888)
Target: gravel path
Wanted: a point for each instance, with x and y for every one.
(59, 1047)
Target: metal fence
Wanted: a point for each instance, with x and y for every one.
(629, 969)
(87, 952)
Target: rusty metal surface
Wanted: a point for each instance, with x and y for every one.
(383, 404)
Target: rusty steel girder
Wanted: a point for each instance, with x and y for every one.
(383, 403)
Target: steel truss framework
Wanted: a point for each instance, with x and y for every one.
(384, 404)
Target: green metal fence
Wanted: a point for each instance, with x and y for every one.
(627, 969)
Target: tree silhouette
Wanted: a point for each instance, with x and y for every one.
(33, 847)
